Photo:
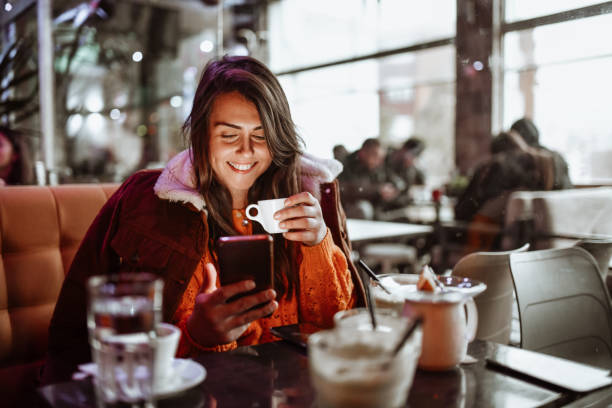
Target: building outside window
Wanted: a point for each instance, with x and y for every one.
(557, 71)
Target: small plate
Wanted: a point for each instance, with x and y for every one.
(185, 374)
(466, 286)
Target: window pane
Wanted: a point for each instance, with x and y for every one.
(303, 33)
(418, 98)
(572, 115)
(524, 9)
(335, 105)
(555, 43)
(560, 76)
(402, 22)
(393, 98)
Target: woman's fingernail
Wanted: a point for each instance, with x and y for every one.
(250, 284)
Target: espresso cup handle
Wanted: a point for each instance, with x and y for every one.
(254, 218)
(472, 319)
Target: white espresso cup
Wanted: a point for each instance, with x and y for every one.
(265, 214)
(166, 344)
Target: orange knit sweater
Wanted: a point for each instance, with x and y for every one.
(325, 288)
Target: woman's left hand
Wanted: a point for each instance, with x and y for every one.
(303, 218)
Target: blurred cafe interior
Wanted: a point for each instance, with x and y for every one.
(475, 137)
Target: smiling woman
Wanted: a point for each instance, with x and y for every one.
(243, 149)
(238, 150)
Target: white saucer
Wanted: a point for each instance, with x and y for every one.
(185, 374)
(466, 286)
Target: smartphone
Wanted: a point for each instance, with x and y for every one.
(246, 257)
(296, 334)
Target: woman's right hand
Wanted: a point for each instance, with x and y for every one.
(214, 322)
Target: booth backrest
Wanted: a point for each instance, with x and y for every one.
(560, 218)
(40, 231)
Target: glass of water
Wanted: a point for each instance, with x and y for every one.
(122, 315)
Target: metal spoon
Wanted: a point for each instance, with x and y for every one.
(373, 276)
(440, 285)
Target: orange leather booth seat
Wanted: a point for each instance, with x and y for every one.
(40, 231)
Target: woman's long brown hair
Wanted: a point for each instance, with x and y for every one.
(259, 85)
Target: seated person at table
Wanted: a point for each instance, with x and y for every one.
(15, 161)
(243, 148)
(403, 170)
(513, 166)
(531, 135)
(340, 153)
(365, 185)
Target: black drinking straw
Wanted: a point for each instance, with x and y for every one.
(370, 306)
(417, 322)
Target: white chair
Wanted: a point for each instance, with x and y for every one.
(495, 303)
(601, 249)
(564, 308)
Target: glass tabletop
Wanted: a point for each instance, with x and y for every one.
(276, 374)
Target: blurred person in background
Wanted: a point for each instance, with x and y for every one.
(340, 153)
(531, 135)
(243, 148)
(365, 185)
(403, 169)
(15, 162)
(513, 166)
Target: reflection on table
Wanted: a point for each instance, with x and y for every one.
(276, 374)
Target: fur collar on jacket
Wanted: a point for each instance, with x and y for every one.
(177, 181)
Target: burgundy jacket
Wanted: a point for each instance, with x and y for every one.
(136, 230)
